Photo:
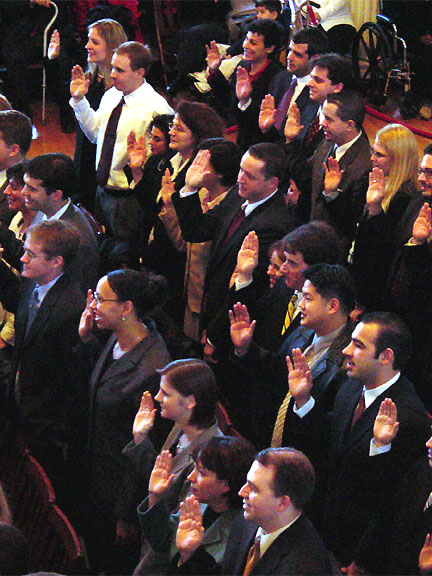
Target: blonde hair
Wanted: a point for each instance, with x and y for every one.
(401, 146)
(113, 34)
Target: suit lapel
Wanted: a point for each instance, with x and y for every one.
(46, 310)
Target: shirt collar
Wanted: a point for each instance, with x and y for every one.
(58, 214)
(320, 342)
(250, 206)
(371, 395)
(266, 540)
(129, 98)
(43, 290)
(340, 150)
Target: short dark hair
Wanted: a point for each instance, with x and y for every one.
(57, 238)
(277, 247)
(139, 55)
(393, 334)
(145, 290)
(163, 123)
(273, 157)
(16, 128)
(201, 119)
(315, 38)
(270, 5)
(230, 458)
(339, 69)
(16, 171)
(225, 158)
(332, 281)
(350, 106)
(195, 377)
(316, 241)
(294, 474)
(270, 30)
(428, 149)
(56, 172)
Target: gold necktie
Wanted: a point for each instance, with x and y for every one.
(254, 555)
(290, 313)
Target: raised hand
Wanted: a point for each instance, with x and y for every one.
(167, 187)
(80, 84)
(87, 320)
(332, 175)
(299, 377)
(267, 113)
(190, 531)
(247, 257)
(422, 227)
(243, 85)
(161, 476)
(136, 151)
(214, 57)
(292, 125)
(376, 190)
(198, 170)
(292, 196)
(425, 558)
(54, 46)
(242, 329)
(144, 418)
(386, 425)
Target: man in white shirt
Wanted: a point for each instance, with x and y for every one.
(118, 207)
(363, 474)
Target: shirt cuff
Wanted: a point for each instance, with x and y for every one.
(305, 409)
(245, 106)
(239, 285)
(374, 450)
(83, 104)
(332, 196)
(184, 194)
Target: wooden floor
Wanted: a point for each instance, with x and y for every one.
(52, 139)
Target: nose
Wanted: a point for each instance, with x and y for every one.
(87, 46)
(8, 191)
(347, 350)
(240, 177)
(25, 258)
(244, 491)
(193, 475)
(421, 177)
(246, 44)
(93, 304)
(158, 396)
(302, 304)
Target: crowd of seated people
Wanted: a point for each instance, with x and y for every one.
(285, 276)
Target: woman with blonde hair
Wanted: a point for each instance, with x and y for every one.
(104, 36)
(393, 184)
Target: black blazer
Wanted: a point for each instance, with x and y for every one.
(270, 221)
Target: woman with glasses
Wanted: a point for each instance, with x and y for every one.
(124, 369)
(383, 230)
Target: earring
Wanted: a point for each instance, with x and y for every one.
(123, 318)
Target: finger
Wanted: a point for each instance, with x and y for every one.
(289, 364)
(90, 298)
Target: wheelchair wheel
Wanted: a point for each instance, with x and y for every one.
(371, 61)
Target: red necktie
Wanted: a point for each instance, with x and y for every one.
(284, 104)
(238, 219)
(360, 408)
(313, 130)
(105, 160)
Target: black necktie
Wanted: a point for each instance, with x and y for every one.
(105, 160)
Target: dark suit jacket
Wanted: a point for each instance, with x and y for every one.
(48, 387)
(360, 486)
(84, 268)
(343, 212)
(298, 550)
(248, 131)
(269, 220)
(115, 393)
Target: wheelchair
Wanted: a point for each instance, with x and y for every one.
(379, 58)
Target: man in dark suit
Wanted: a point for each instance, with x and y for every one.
(341, 166)
(256, 204)
(50, 180)
(43, 391)
(363, 474)
(15, 140)
(291, 85)
(324, 331)
(279, 485)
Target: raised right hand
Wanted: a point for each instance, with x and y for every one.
(87, 320)
(242, 329)
(198, 170)
(144, 418)
(214, 57)
(422, 227)
(247, 257)
(190, 531)
(299, 377)
(267, 113)
(54, 46)
(161, 476)
(80, 84)
(136, 151)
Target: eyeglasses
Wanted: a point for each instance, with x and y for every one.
(100, 300)
(427, 172)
